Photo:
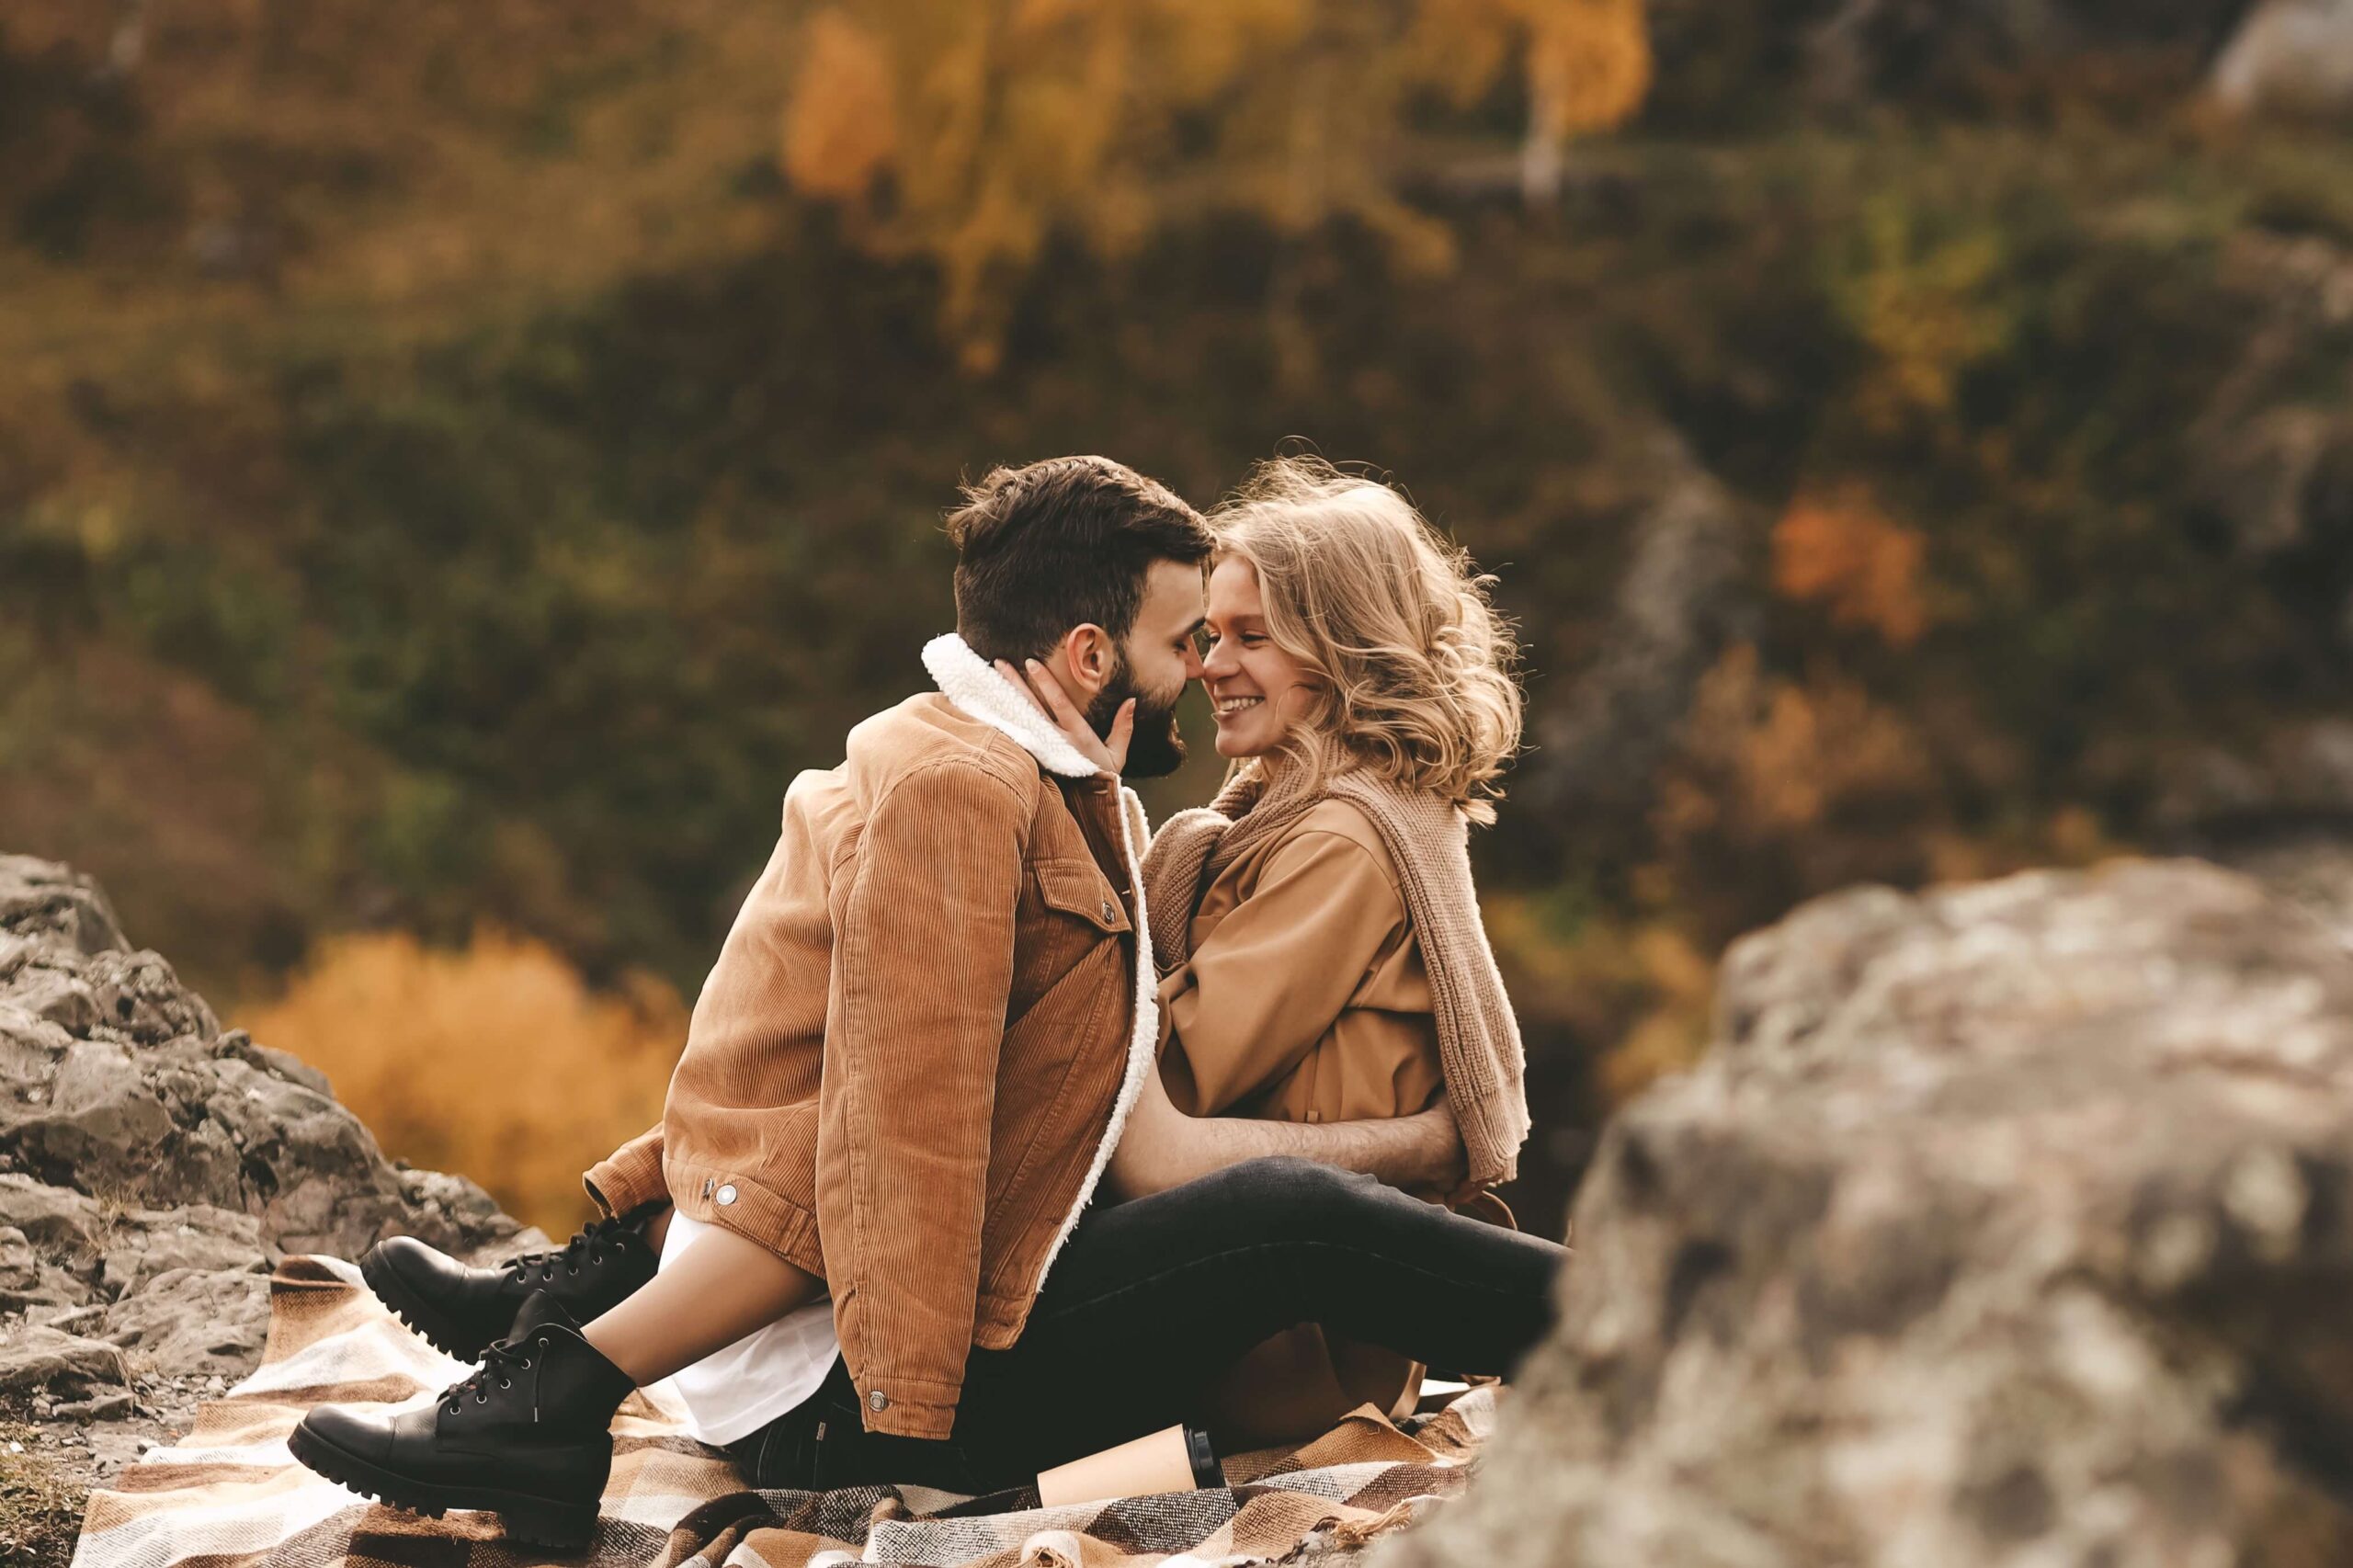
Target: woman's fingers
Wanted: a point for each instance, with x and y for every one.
(1056, 699)
(1111, 758)
(1124, 730)
(1004, 667)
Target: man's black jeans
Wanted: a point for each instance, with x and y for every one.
(1152, 1298)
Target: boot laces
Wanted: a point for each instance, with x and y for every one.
(499, 1362)
(589, 1246)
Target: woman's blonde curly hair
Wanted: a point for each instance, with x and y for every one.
(1411, 666)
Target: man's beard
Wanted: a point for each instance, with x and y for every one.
(1155, 750)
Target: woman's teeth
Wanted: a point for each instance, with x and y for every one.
(1236, 704)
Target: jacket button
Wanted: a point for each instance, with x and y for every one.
(727, 1193)
(877, 1400)
(1110, 914)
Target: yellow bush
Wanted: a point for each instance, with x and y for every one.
(499, 1061)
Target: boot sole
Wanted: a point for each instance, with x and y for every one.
(542, 1521)
(413, 1310)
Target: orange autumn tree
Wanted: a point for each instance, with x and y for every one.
(497, 1061)
(1842, 552)
(968, 132)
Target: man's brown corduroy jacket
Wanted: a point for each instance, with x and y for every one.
(919, 1038)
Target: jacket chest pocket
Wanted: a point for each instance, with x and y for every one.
(1075, 887)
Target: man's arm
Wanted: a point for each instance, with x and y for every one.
(630, 1176)
(1162, 1147)
(923, 962)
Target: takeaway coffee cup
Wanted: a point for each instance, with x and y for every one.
(1174, 1459)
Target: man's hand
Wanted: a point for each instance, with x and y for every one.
(1108, 753)
(1448, 1180)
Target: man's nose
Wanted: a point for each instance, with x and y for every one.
(1195, 668)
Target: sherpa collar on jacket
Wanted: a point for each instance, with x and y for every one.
(982, 690)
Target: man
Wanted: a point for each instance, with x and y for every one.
(905, 1075)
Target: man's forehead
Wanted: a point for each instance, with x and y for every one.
(1175, 594)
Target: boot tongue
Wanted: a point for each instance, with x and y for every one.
(538, 1310)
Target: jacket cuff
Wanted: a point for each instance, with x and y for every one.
(629, 1178)
(912, 1407)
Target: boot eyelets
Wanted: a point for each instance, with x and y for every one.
(504, 1384)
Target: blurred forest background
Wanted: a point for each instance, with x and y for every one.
(459, 460)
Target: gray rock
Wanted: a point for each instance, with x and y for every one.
(196, 1321)
(2271, 454)
(154, 1167)
(277, 1064)
(2006, 1223)
(61, 1364)
(63, 999)
(65, 1226)
(19, 1265)
(2289, 57)
(2298, 773)
(141, 999)
(1687, 595)
(40, 899)
(202, 1238)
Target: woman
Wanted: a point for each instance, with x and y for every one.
(1318, 936)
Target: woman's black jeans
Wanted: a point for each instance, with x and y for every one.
(1152, 1298)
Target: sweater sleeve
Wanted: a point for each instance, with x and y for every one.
(1262, 990)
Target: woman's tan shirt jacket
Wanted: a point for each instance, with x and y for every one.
(1305, 999)
(919, 1035)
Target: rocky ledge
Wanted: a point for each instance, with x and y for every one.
(153, 1167)
(2006, 1223)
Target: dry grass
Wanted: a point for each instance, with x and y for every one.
(40, 1513)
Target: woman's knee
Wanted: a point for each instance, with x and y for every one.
(1289, 1197)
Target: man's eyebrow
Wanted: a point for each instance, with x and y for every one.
(1198, 621)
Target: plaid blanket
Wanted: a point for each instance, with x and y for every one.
(230, 1495)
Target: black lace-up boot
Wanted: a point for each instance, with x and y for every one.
(462, 1310)
(527, 1436)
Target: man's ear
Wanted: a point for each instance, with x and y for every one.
(1090, 656)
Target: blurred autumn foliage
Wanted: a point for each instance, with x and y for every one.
(1860, 567)
(457, 462)
(970, 135)
(494, 1060)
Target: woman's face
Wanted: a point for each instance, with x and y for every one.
(1258, 691)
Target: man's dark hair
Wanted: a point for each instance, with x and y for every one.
(1061, 543)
